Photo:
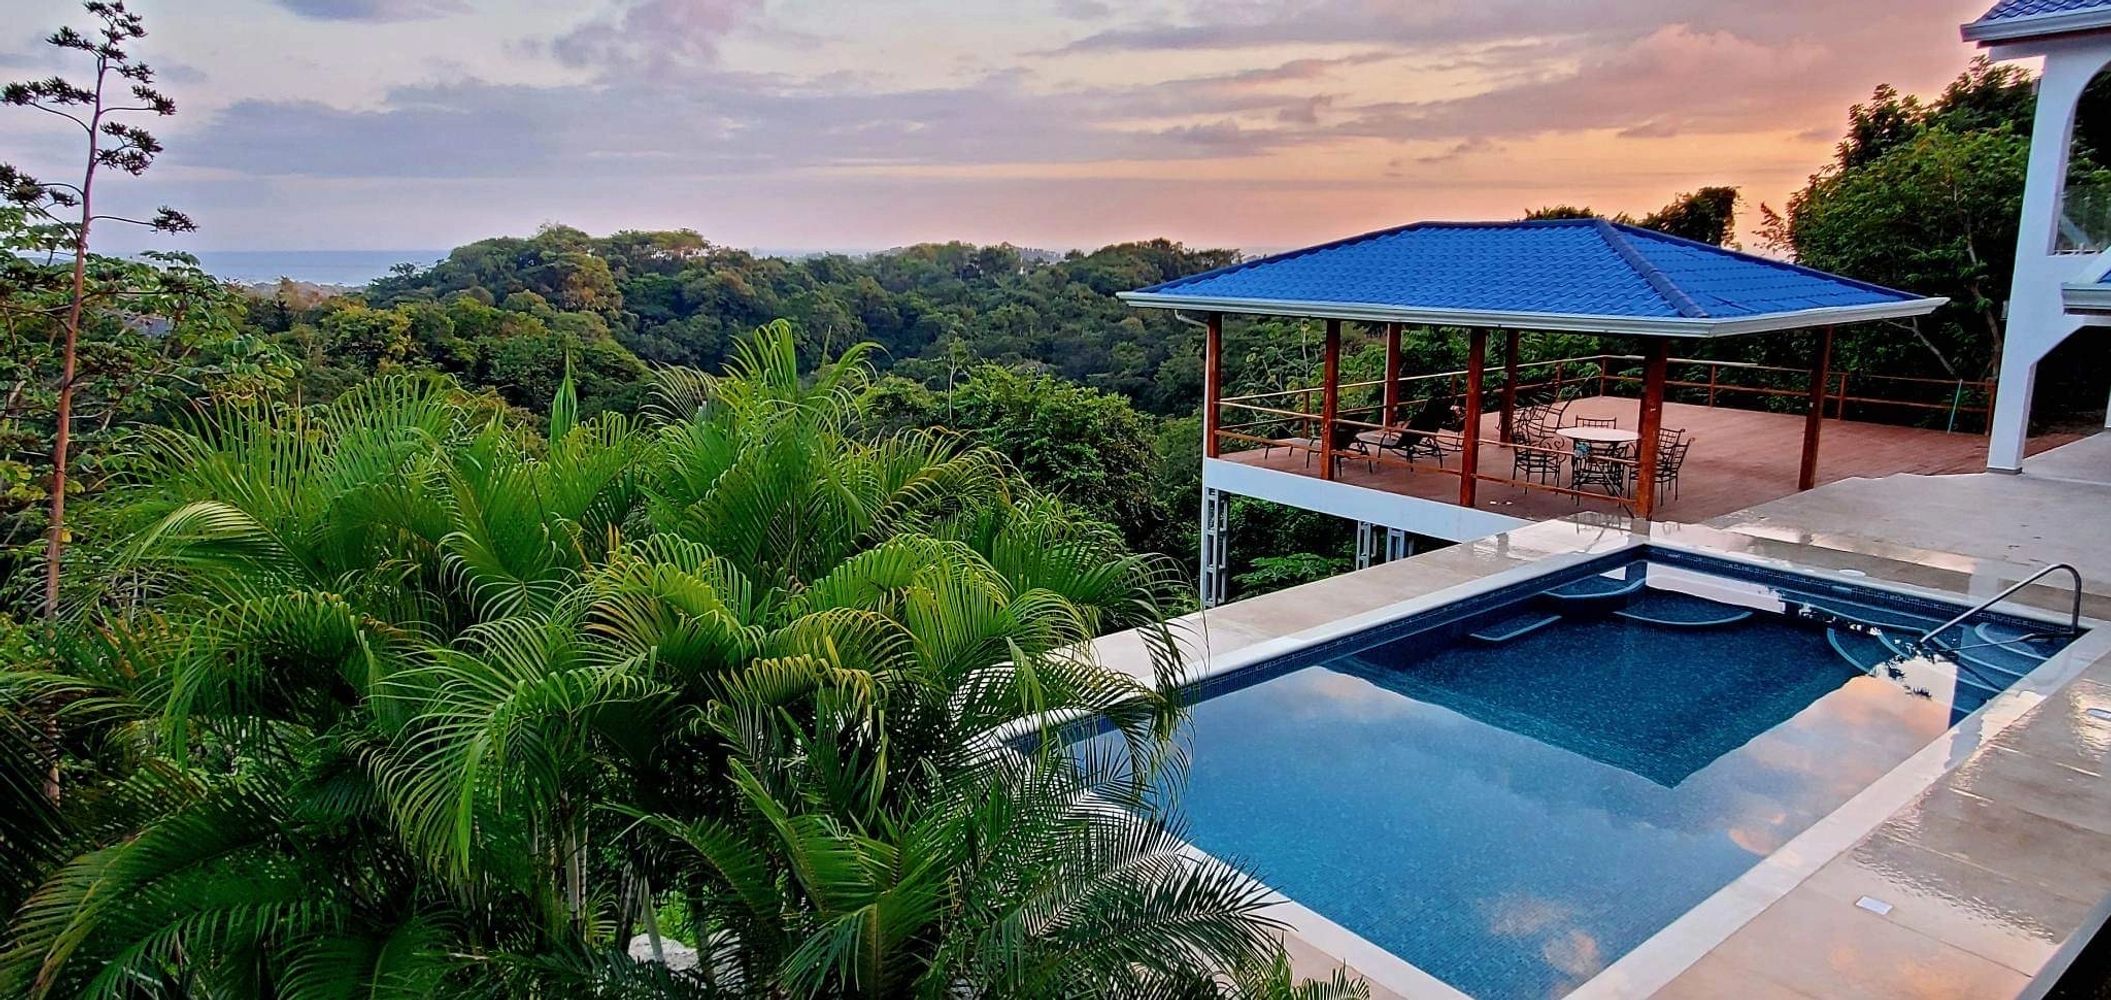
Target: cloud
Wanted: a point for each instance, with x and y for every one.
(372, 10)
(1672, 81)
(1278, 119)
(1233, 24)
(704, 122)
(654, 35)
(1458, 151)
(1083, 10)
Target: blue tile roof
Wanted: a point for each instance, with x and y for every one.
(2018, 20)
(1585, 268)
(2008, 10)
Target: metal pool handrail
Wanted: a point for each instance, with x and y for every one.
(2074, 621)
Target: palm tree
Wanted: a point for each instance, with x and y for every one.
(392, 695)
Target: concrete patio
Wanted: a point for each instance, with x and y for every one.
(1990, 847)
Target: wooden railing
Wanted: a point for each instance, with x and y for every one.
(1972, 399)
(1290, 418)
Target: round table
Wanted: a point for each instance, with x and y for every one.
(1588, 436)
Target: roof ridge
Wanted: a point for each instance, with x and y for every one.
(1672, 294)
(1773, 262)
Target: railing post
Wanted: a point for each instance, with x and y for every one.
(1329, 398)
(1470, 445)
(1713, 368)
(1212, 383)
(1839, 406)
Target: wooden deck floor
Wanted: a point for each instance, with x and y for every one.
(1740, 458)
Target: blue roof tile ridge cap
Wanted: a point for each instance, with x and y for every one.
(1218, 272)
(1753, 258)
(1665, 288)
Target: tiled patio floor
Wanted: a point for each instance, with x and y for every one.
(1990, 847)
(1740, 458)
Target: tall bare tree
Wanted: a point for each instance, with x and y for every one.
(64, 212)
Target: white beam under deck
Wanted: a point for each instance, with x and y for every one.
(1432, 518)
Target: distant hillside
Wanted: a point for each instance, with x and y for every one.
(675, 297)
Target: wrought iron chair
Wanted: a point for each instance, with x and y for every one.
(1669, 460)
(1537, 453)
(1612, 422)
(1602, 469)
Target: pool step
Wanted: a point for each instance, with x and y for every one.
(1674, 610)
(1871, 652)
(1592, 592)
(1862, 650)
(2014, 639)
(1869, 615)
(1515, 626)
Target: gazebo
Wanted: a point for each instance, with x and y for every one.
(1575, 276)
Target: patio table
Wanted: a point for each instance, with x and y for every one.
(1589, 439)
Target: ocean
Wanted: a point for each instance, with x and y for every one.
(321, 267)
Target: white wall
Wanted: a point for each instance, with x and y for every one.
(2037, 315)
(1357, 503)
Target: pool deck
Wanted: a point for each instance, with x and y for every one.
(1987, 850)
(1740, 458)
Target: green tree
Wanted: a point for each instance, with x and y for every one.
(405, 699)
(1936, 215)
(1091, 448)
(1708, 215)
(62, 214)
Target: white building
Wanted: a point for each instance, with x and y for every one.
(2063, 251)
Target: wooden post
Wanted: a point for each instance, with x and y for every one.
(1470, 446)
(1814, 415)
(1392, 375)
(1329, 399)
(1509, 384)
(1212, 383)
(1656, 356)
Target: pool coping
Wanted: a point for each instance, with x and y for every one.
(1679, 945)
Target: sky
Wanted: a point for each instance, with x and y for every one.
(865, 124)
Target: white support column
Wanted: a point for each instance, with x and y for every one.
(1365, 544)
(2037, 316)
(1397, 545)
(1214, 561)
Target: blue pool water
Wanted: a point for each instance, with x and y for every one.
(1511, 816)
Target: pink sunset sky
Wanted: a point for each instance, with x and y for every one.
(318, 124)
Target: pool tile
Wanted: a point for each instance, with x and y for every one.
(2061, 730)
(2064, 859)
(2038, 786)
(1958, 903)
(1842, 951)
(1715, 978)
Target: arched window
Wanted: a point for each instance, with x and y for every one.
(2085, 198)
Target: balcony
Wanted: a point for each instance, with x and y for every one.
(1745, 448)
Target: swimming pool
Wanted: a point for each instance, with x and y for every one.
(1512, 791)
